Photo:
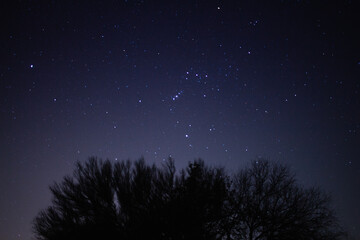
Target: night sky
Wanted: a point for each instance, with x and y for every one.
(226, 81)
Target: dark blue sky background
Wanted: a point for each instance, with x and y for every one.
(226, 81)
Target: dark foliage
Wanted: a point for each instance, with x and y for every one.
(197, 205)
(129, 200)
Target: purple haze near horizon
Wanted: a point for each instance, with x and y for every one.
(226, 81)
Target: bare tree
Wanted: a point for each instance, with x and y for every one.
(102, 201)
(81, 205)
(133, 200)
(268, 203)
(142, 194)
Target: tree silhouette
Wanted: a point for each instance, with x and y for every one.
(83, 205)
(133, 200)
(198, 202)
(267, 203)
(142, 194)
(105, 202)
